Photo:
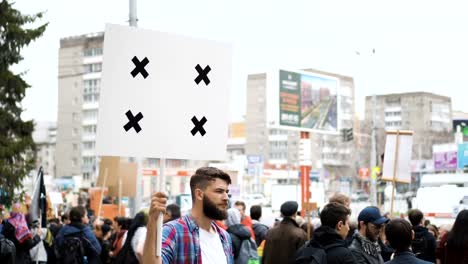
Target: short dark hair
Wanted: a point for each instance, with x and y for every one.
(240, 203)
(54, 221)
(256, 212)
(174, 209)
(107, 221)
(333, 213)
(415, 216)
(77, 213)
(204, 175)
(398, 233)
(123, 222)
(64, 217)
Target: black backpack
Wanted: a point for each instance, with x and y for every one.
(312, 254)
(7, 250)
(77, 249)
(419, 244)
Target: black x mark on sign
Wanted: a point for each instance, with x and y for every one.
(133, 121)
(202, 74)
(198, 126)
(140, 67)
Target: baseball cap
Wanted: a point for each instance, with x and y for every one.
(372, 214)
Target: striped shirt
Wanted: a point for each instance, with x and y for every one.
(181, 242)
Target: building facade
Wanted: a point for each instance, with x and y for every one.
(44, 136)
(332, 157)
(80, 64)
(428, 115)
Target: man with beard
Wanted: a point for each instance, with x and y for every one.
(194, 238)
(365, 246)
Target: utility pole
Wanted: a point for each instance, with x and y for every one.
(133, 20)
(373, 158)
(135, 203)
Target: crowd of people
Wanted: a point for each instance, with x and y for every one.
(213, 233)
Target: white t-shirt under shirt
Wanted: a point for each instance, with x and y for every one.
(211, 248)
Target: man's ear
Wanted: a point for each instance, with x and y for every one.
(199, 194)
(339, 225)
(412, 234)
(361, 224)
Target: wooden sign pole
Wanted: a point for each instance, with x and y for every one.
(395, 164)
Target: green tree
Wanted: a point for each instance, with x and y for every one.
(17, 148)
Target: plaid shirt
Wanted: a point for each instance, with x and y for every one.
(181, 242)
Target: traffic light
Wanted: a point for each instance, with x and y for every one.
(347, 134)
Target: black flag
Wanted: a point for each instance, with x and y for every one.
(38, 209)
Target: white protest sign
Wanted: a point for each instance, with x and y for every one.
(163, 95)
(402, 152)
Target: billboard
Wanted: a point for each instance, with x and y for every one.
(306, 101)
(462, 156)
(445, 157)
(463, 123)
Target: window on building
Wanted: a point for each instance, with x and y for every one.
(75, 146)
(89, 145)
(93, 67)
(74, 162)
(92, 52)
(89, 130)
(90, 98)
(91, 86)
(75, 117)
(90, 114)
(393, 124)
(75, 132)
(388, 114)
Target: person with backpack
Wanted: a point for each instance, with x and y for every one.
(244, 247)
(76, 242)
(365, 246)
(283, 240)
(424, 243)
(7, 251)
(399, 235)
(260, 230)
(328, 244)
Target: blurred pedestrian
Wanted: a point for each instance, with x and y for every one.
(399, 234)
(424, 243)
(245, 219)
(283, 240)
(365, 245)
(259, 229)
(330, 237)
(453, 246)
(172, 213)
(16, 229)
(244, 247)
(434, 231)
(77, 234)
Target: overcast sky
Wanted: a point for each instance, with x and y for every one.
(420, 45)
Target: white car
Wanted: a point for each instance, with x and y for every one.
(255, 199)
